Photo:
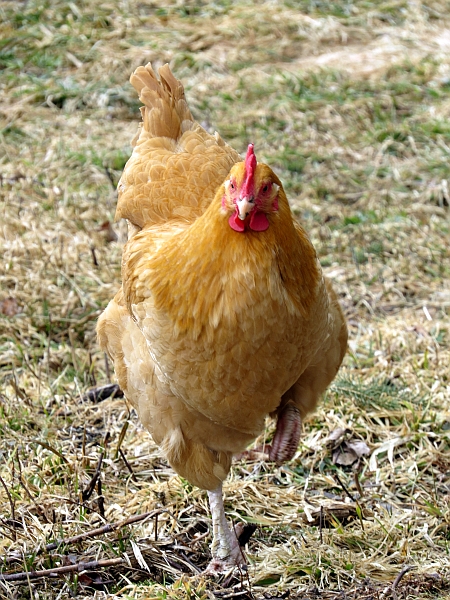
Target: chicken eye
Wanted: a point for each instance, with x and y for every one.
(232, 186)
(265, 189)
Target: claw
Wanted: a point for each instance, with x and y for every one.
(287, 435)
(219, 566)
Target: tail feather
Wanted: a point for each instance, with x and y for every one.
(165, 108)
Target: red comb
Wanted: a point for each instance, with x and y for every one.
(250, 166)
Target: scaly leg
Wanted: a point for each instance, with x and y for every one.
(225, 549)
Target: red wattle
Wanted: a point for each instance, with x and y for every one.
(235, 222)
(258, 221)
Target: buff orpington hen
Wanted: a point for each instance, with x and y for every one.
(224, 316)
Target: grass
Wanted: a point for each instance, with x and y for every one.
(348, 101)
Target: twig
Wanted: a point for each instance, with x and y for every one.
(357, 483)
(94, 256)
(108, 528)
(101, 530)
(344, 488)
(392, 588)
(127, 464)
(110, 176)
(101, 499)
(402, 573)
(11, 503)
(86, 494)
(88, 566)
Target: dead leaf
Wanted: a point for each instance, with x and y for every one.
(344, 457)
(359, 447)
(347, 452)
(336, 436)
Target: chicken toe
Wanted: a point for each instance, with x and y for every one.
(287, 434)
(225, 549)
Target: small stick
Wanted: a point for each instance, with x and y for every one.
(108, 528)
(11, 503)
(109, 175)
(88, 566)
(344, 488)
(127, 464)
(358, 485)
(94, 256)
(101, 530)
(400, 576)
(86, 494)
(101, 499)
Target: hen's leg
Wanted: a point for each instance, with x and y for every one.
(225, 549)
(287, 434)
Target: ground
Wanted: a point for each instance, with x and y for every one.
(349, 103)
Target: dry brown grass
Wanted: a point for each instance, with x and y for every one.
(349, 102)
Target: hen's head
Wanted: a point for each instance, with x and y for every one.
(251, 194)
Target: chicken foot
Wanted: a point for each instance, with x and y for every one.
(287, 434)
(285, 440)
(225, 549)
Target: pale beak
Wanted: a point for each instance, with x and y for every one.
(245, 207)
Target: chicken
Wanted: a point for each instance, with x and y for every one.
(224, 316)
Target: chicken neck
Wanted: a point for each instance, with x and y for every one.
(225, 549)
